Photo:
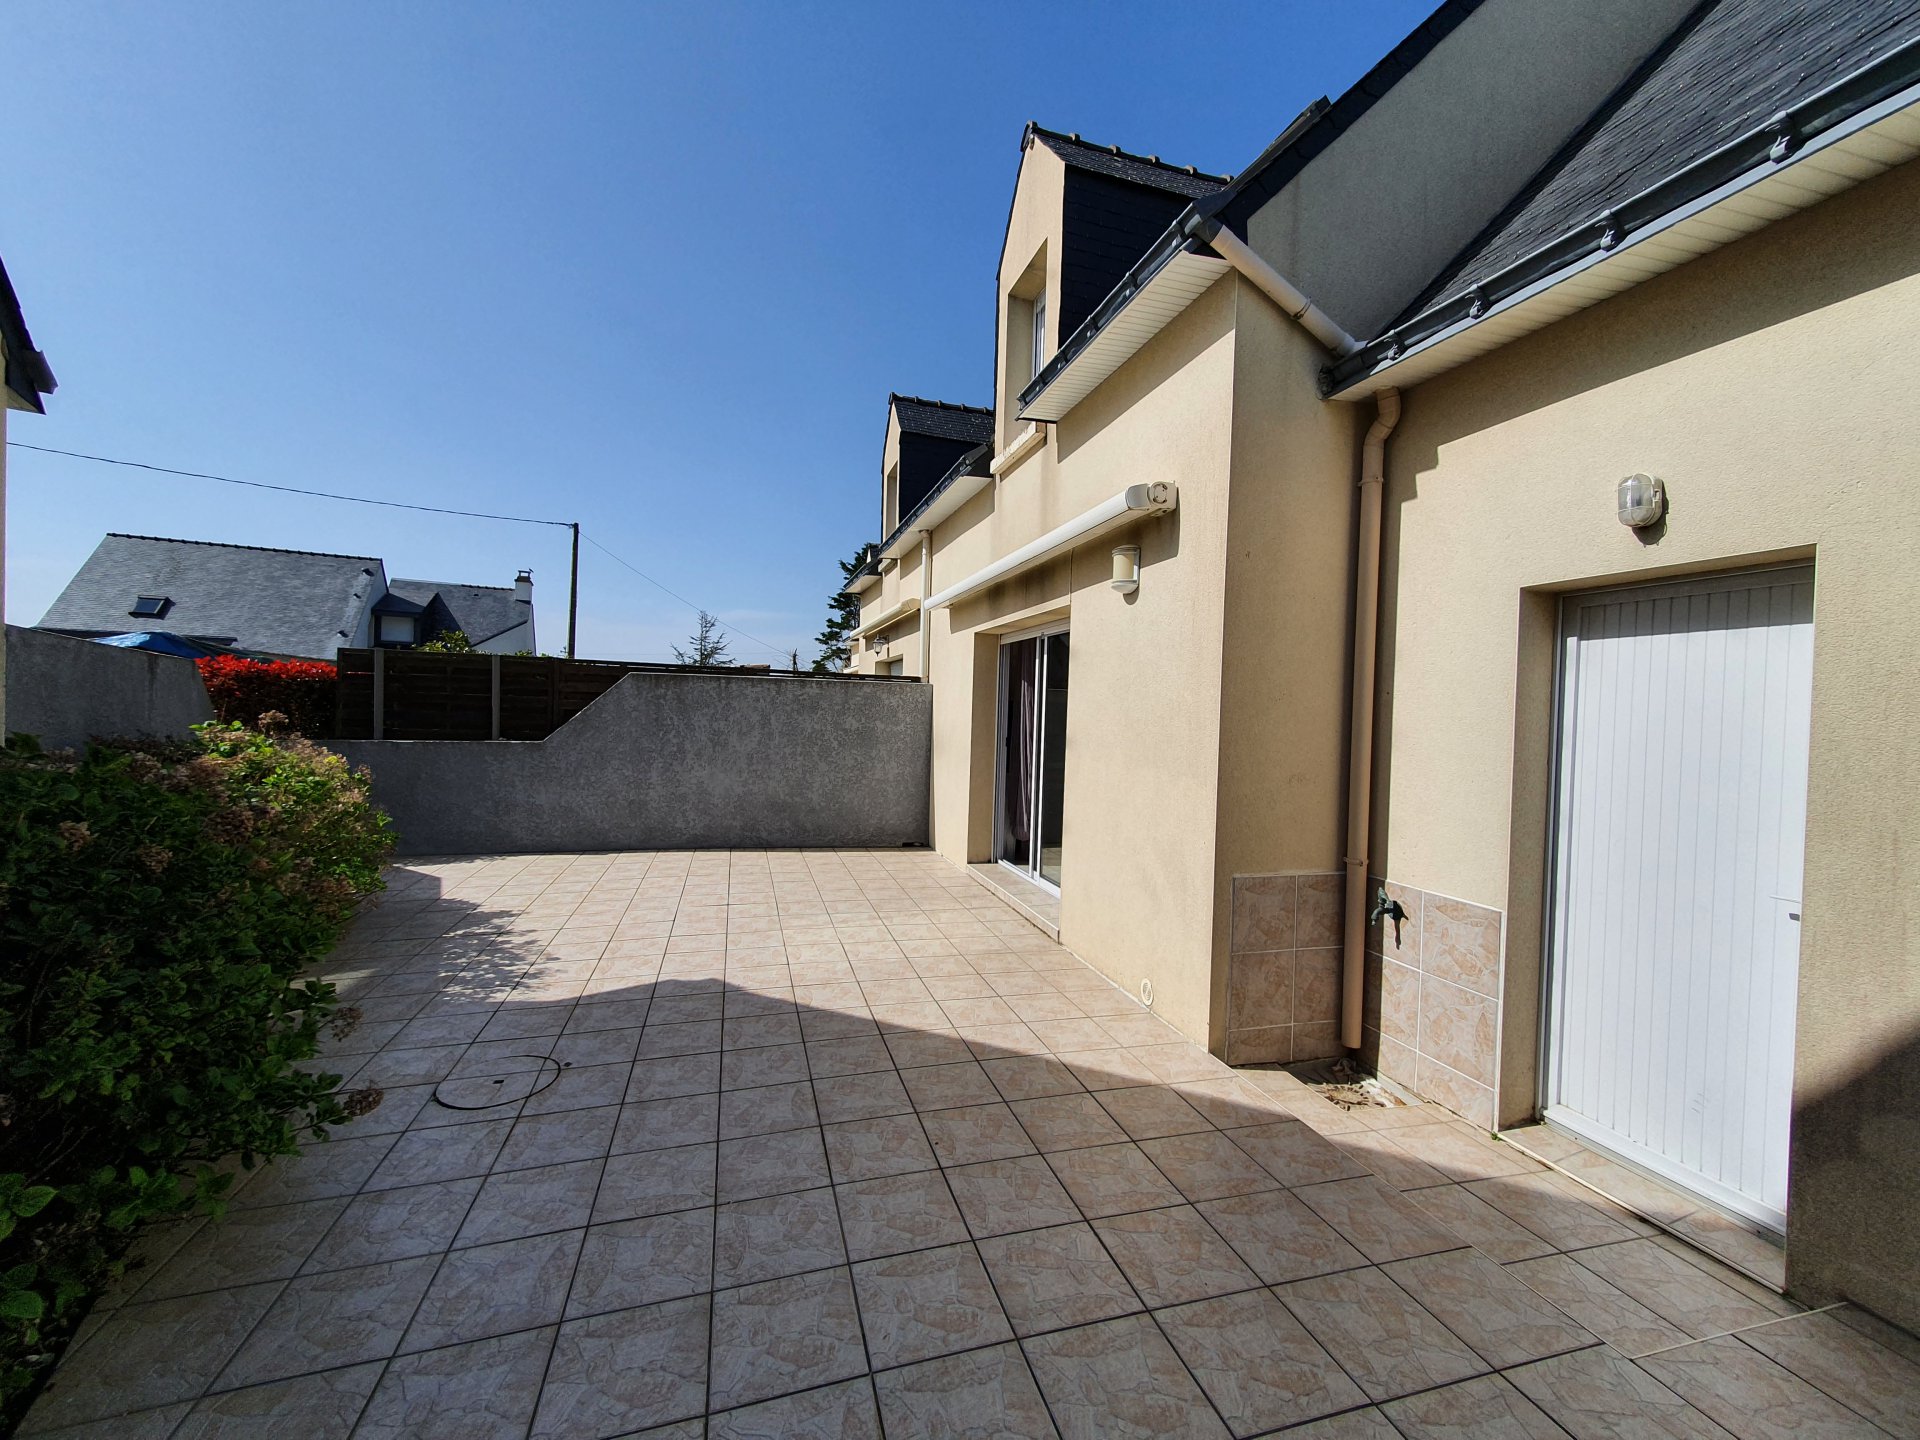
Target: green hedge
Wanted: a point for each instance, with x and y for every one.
(157, 907)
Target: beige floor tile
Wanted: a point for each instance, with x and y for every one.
(1280, 1238)
(1207, 1165)
(1119, 1379)
(918, 1049)
(860, 1097)
(1030, 1077)
(1461, 1153)
(927, 1303)
(984, 1394)
(1487, 1229)
(653, 1182)
(885, 1145)
(1173, 1255)
(948, 1086)
(1147, 1112)
(767, 1109)
(341, 1317)
(1752, 1396)
(244, 1248)
(445, 1152)
(484, 1390)
(973, 1133)
(556, 1139)
(776, 1235)
(1067, 1121)
(1257, 1363)
(771, 1165)
(663, 1124)
(853, 1055)
(147, 1355)
(1295, 1154)
(1374, 1149)
(615, 1374)
(1863, 1375)
(395, 1225)
(784, 1335)
(767, 1065)
(1675, 1290)
(1487, 1408)
(1380, 1334)
(1050, 1279)
(1503, 1320)
(897, 1213)
(642, 1262)
(1380, 1222)
(1598, 1305)
(495, 1290)
(1566, 1215)
(1595, 1394)
(513, 1203)
(1112, 1179)
(1367, 1423)
(1000, 1196)
(673, 1075)
(310, 1407)
(844, 1411)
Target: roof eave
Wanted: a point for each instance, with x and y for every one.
(1876, 98)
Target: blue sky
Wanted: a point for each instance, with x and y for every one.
(654, 268)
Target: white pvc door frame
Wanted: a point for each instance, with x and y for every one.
(1721, 1131)
(1031, 870)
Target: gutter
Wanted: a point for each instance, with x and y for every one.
(1136, 502)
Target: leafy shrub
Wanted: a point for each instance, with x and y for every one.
(448, 642)
(244, 690)
(157, 907)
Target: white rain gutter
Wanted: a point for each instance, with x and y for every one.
(1136, 502)
(1366, 630)
(1275, 286)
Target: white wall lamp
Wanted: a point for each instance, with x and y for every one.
(1126, 568)
(1642, 500)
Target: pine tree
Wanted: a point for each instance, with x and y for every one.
(708, 642)
(843, 618)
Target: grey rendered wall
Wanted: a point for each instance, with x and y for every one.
(674, 761)
(64, 690)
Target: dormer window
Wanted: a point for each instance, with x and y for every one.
(150, 607)
(396, 629)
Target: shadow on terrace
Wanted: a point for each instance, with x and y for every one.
(797, 1142)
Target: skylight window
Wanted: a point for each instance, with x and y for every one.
(151, 607)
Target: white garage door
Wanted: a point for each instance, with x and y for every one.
(1680, 822)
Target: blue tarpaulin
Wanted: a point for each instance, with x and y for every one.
(161, 642)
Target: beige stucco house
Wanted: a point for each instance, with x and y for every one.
(1442, 593)
(27, 381)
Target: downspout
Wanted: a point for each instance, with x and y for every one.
(1366, 631)
(926, 590)
(1271, 283)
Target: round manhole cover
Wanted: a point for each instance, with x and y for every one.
(515, 1078)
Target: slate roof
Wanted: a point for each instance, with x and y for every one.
(27, 374)
(278, 602)
(1722, 74)
(971, 423)
(1121, 165)
(480, 612)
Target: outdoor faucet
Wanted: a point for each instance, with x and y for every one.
(1385, 905)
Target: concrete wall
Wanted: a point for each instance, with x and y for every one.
(66, 691)
(1392, 199)
(1770, 385)
(674, 761)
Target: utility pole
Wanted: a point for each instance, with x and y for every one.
(573, 590)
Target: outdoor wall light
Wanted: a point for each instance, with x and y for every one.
(1126, 568)
(1642, 501)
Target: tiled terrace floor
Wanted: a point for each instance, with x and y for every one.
(842, 1147)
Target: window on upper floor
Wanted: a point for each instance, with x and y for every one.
(890, 501)
(1039, 337)
(396, 630)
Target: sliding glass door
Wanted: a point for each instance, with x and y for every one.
(1033, 754)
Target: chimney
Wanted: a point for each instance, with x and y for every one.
(523, 587)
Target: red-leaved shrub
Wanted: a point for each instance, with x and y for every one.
(244, 690)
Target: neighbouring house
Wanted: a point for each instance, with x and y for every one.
(1442, 598)
(932, 448)
(292, 603)
(27, 380)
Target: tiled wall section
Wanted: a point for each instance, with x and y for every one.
(1433, 1000)
(1283, 973)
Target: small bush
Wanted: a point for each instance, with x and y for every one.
(157, 907)
(244, 690)
(448, 642)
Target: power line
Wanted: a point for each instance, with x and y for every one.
(285, 489)
(395, 505)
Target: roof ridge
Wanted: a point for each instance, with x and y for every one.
(235, 545)
(1073, 137)
(464, 585)
(894, 397)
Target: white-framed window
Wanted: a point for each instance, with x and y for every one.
(396, 630)
(1039, 338)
